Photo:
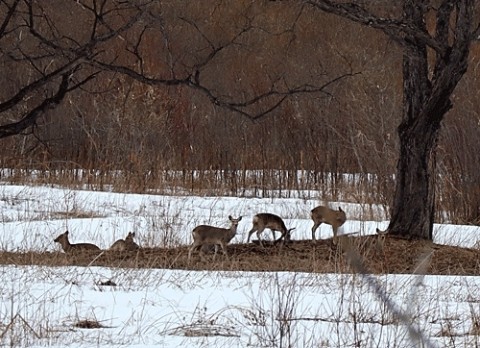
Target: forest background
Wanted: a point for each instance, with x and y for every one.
(114, 132)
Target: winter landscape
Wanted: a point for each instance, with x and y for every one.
(146, 307)
(154, 117)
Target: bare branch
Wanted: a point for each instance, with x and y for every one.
(396, 29)
(8, 17)
(215, 49)
(95, 39)
(23, 92)
(52, 56)
(138, 76)
(276, 97)
(31, 117)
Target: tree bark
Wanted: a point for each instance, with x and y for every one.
(414, 199)
(426, 102)
(428, 85)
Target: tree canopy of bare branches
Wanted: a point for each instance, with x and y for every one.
(256, 60)
(435, 58)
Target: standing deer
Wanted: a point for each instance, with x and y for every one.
(335, 218)
(74, 248)
(210, 235)
(273, 222)
(126, 244)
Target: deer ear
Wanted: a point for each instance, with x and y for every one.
(340, 209)
(230, 217)
(240, 218)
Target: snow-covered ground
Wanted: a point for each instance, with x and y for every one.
(39, 306)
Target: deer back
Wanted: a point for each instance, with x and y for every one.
(209, 234)
(129, 243)
(68, 247)
(119, 245)
(271, 221)
(329, 216)
(206, 234)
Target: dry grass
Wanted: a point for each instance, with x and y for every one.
(390, 255)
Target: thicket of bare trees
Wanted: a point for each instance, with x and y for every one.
(148, 88)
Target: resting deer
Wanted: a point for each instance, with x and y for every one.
(74, 248)
(210, 235)
(126, 244)
(381, 237)
(335, 218)
(273, 222)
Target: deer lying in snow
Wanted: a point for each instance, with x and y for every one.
(335, 218)
(273, 222)
(74, 248)
(209, 235)
(126, 244)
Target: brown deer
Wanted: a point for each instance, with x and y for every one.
(126, 244)
(74, 248)
(335, 218)
(381, 238)
(271, 221)
(210, 235)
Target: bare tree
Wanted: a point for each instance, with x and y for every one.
(128, 38)
(116, 38)
(44, 57)
(427, 90)
(194, 72)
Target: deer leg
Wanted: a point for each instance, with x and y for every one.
(224, 249)
(335, 238)
(282, 237)
(250, 234)
(192, 248)
(314, 228)
(259, 232)
(273, 236)
(216, 247)
(288, 236)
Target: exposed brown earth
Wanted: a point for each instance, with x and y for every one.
(377, 256)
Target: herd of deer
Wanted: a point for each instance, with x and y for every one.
(205, 236)
(126, 244)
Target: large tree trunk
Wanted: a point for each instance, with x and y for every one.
(426, 101)
(429, 82)
(414, 199)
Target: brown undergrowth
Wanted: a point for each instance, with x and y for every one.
(389, 255)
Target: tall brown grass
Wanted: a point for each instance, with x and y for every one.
(124, 136)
